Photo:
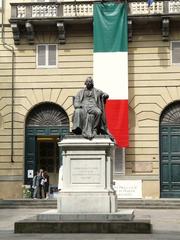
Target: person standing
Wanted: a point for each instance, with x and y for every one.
(35, 186)
(46, 184)
(40, 180)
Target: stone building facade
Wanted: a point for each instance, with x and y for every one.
(46, 52)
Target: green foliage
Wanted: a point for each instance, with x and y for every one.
(26, 191)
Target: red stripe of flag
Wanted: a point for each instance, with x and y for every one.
(117, 120)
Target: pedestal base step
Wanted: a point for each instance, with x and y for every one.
(83, 223)
(54, 215)
(34, 226)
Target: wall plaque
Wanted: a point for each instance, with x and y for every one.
(128, 188)
(30, 173)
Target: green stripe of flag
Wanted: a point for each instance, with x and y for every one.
(110, 27)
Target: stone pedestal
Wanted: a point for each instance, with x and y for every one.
(87, 176)
(87, 202)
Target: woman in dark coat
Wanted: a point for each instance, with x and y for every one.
(46, 184)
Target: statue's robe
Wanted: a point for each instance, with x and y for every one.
(89, 115)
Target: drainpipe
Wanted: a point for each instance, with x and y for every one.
(11, 49)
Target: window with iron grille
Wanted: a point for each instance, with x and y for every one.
(46, 56)
(175, 52)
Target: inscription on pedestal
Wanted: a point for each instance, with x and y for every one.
(85, 171)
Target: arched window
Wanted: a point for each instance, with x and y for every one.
(47, 114)
(171, 114)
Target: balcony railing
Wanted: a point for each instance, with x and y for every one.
(141, 8)
(69, 9)
(52, 10)
(58, 13)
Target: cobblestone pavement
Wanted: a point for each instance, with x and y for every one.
(166, 226)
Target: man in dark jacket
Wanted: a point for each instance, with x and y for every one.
(37, 193)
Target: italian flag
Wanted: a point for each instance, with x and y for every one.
(110, 65)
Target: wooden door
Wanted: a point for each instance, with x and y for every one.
(170, 161)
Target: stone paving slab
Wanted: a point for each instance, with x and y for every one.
(166, 226)
(9, 235)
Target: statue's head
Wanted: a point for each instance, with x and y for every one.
(89, 83)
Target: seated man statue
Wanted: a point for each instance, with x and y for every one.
(89, 116)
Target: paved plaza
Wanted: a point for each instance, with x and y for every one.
(166, 226)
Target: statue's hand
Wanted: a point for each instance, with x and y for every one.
(105, 96)
(78, 106)
(89, 109)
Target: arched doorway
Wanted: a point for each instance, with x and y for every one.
(170, 151)
(46, 123)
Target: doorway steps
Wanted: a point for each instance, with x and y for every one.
(149, 203)
(122, 203)
(28, 203)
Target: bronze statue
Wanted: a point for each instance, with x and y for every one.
(89, 116)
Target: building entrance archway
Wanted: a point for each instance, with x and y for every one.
(170, 151)
(46, 123)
